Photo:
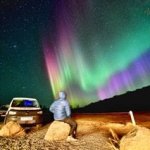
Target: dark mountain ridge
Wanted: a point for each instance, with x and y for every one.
(138, 100)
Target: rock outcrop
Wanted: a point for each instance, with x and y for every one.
(57, 131)
(12, 129)
(137, 139)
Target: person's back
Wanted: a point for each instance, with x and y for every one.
(61, 110)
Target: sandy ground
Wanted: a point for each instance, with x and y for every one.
(91, 133)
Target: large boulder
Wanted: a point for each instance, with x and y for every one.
(137, 139)
(12, 129)
(57, 131)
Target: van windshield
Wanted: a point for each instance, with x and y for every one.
(24, 103)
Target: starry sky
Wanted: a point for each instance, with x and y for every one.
(92, 49)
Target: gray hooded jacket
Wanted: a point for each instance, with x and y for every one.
(60, 108)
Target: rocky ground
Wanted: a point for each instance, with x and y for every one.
(93, 134)
(34, 140)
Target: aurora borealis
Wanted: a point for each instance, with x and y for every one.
(100, 49)
(92, 49)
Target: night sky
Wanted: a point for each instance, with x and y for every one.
(92, 49)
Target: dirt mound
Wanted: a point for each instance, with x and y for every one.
(137, 139)
(118, 128)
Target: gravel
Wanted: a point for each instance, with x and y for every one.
(34, 140)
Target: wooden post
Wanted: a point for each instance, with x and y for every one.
(132, 117)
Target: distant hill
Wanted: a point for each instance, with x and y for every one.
(138, 100)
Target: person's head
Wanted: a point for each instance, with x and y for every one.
(62, 95)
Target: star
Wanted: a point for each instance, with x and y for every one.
(14, 46)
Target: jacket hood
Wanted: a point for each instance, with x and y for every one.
(62, 95)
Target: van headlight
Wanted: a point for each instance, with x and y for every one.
(12, 112)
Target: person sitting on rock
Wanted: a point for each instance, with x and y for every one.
(62, 112)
